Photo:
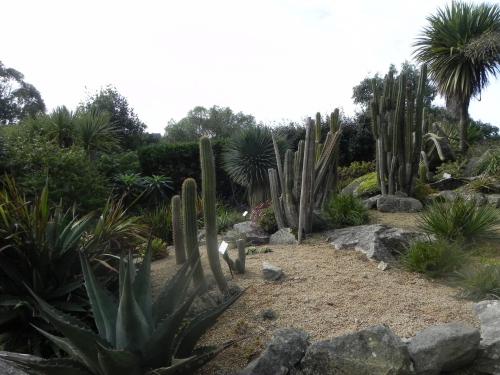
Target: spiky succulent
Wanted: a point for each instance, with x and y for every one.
(136, 336)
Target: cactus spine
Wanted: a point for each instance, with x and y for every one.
(177, 231)
(398, 122)
(189, 196)
(209, 212)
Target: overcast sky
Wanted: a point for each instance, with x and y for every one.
(275, 59)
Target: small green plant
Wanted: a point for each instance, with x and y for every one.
(354, 170)
(459, 220)
(489, 163)
(158, 249)
(159, 222)
(136, 336)
(433, 258)
(345, 210)
(258, 250)
(482, 184)
(422, 191)
(366, 185)
(480, 281)
(267, 220)
(454, 168)
(226, 217)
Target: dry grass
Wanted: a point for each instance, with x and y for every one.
(327, 293)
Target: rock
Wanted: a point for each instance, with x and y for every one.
(271, 272)
(451, 183)
(400, 194)
(268, 314)
(286, 349)
(445, 195)
(371, 202)
(382, 266)
(471, 166)
(373, 351)
(393, 203)
(376, 241)
(445, 347)
(283, 236)
(363, 187)
(494, 200)
(488, 313)
(252, 233)
(479, 198)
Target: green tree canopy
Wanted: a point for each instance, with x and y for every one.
(128, 126)
(18, 99)
(214, 122)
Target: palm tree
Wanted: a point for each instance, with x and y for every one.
(96, 132)
(461, 46)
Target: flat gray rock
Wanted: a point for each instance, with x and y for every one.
(445, 347)
(283, 236)
(488, 313)
(253, 233)
(286, 349)
(394, 203)
(379, 242)
(271, 272)
(373, 351)
(494, 200)
(371, 202)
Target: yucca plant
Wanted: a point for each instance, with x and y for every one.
(136, 336)
(247, 158)
(38, 245)
(459, 220)
(95, 132)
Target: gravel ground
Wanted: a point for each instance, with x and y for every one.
(327, 293)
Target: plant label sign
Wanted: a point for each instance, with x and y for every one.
(223, 247)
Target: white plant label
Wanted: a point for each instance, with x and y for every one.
(245, 213)
(223, 247)
(446, 175)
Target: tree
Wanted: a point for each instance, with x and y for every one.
(362, 93)
(215, 122)
(461, 46)
(128, 126)
(18, 99)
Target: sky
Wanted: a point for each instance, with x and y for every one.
(274, 59)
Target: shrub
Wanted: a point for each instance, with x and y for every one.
(480, 281)
(433, 258)
(134, 335)
(114, 164)
(459, 219)
(345, 210)
(454, 168)
(267, 220)
(227, 217)
(158, 248)
(159, 221)
(422, 191)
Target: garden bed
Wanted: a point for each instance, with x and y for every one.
(327, 293)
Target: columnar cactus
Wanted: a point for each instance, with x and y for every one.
(309, 176)
(177, 231)
(189, 196)
(209, 211)
(398, 122)
(242, 254)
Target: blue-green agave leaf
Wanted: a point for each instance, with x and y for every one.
(103, 305)
(36, 365)
(142, 286)
(113, 362)
(132, 328)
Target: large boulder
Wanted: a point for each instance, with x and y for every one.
(371, 202)
(445, 347)
(252, 232)
(395, 203)
(283, 236)
(377, 241)
(373, 351)
(488, 313)
(285, 350)
(364, 186)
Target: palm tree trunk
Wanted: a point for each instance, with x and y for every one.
(464, 125)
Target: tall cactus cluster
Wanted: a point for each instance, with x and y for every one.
(185, 225)
(398, 119)
(307, 176)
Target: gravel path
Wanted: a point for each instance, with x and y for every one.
(327, 293)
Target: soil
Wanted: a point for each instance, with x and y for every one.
(327, 293)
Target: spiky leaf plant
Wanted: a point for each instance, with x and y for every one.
(247, 159)
(136, 336)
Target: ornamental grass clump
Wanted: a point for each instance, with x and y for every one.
(433, 258)
(460, 220)
(480, 281)
(345, 210)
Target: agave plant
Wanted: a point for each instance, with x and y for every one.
(38, 247)
(157, 187)
(135, 336)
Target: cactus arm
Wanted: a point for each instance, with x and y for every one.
(278, 212)
(279, 166)
(177, 231)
